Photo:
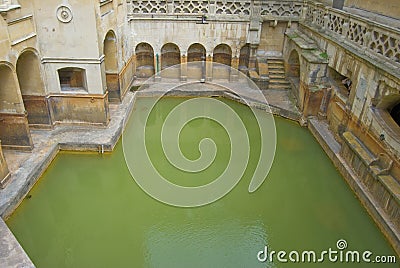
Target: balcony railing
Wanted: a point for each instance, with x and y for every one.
(367, 36)
(7, 5)
(216, 9)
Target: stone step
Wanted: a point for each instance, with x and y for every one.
(279, 87)
(277, 75)
(274, 61)
(276, 71)
(276, 65)
(279, 84)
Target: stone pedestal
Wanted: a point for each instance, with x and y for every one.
(313, 97)
(83, 109)
(14, 131)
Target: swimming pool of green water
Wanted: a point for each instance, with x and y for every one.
(87, 211)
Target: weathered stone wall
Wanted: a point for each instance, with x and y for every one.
(388, 7)
(84, 109)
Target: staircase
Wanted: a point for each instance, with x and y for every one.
(277, 79)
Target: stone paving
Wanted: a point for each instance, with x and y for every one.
(11, 252)
(27, 167)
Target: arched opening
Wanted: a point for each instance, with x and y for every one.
(340, 82)
(111, 66)
(395, 113)
(72, 79)
(144, 60)
(195, 56)
(32, 89)
(244, 58)
(294, 65)
(170, 57)
(222, 54)
(196, 52)
(28, 73)
(9, 98)
(14, 131)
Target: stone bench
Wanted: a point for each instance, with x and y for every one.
(374, 173)
(381, 165)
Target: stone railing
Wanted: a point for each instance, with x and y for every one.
(281, 10)
(216, 9)
(7, 5)
(366, 36)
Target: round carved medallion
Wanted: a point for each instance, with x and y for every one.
(64, 14)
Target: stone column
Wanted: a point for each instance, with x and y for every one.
(209, 68)
(4, 172)
(157, 67)
(234, 72)
(183, 67)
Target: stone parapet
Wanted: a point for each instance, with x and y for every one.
(231, 10)
(375, 40)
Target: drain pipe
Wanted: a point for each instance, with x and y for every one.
(101, 149)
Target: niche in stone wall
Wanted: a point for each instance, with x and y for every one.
(395, 113)
(72, 79)
(341, 83)
(222, 54)
(144, 60)
(386, 108)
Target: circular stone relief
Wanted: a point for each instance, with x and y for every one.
(64, 14)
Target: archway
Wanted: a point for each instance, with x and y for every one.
(10, 101)
(14, 130)
(293, 69)
(144, 60)
(395, 113)
(222, 54)
(196, 56)
(111, 66)
(244, 58)
(170, 57)
(32, 89)
(196, 52)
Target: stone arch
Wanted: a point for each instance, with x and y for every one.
(222, 54)
(14, 130)
(196, 57)
(244, 58)
(144, 60)
(196, 52)
(28, 73)
(170, 55)
(395, 113)
(32, 88)
(110, 51)
(10, 99)
(293, 70)
(222, 58)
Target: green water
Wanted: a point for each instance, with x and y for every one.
(87, 211)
